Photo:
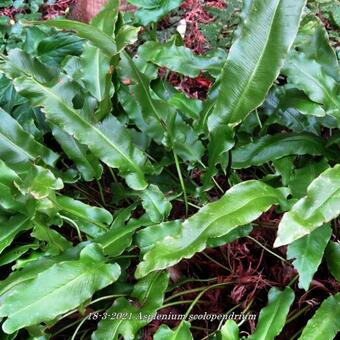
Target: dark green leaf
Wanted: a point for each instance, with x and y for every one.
(240, 205)
(181, 332)
(308, 252)
(152, 10)
(319, 206)
(332, 255)
(109, 140)
(273, 317)
(269, 148)
(255, 58)
(325, 323)
(181, 59)
(97, 37)
(17, 147)
(57, 290)
(149, 293)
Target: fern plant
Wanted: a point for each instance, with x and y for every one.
(97, 151)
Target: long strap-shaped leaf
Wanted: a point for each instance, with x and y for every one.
(273, 316)
(62, 287)
(309, 76)
(242, 204)
(17, 147)
(332, 256)
(181, 59)
(97, 37)
(320, 205)
(325, 323)
(87, 164)
(308, 252)
(108, 140)
(255, 59)
(150, 293)
(272, 147)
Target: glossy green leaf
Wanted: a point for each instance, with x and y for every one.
(154, 111)
(15, 253)
(308, 252)
(325, 323)
(332, 255)
(57, 290)
(97, 37)
(152, 10)
(156, 117)
(319, 206)
(38, 182)
(13, 226)
(146, 238)
(181, 332)
(295, 99)
(119, 237)
(109, 140)
(157, 207)
(190, 107)
(87, 164)
(301, 178)
(181, 59)
(240, 205)
(8, 177)
(273, 317)
(148, 293)
(95, 68)
(230, 331)
(230, 237)
(307, 75)
(20, 62)
(313, 41)
(221, 141)
(53, 49)
(95, 64)
(30, 270)
(255, 58)
(272, 147)
(126, 35)
(17, 147)
(291, 118)
(107, 17)
(91, 220)
(56, 243)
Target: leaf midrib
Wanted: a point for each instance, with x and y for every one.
(319, 84)
(97, 268)
(257, 65)
(147, 94)
(17, 147)
(90, 126)
(217, 218)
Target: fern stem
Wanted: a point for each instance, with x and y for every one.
(113, 175)
(179, 172)
(268, 250)
(69, 220)
(258, 118)
(175, 303)
(184, 292)
(78, 327)
(216, 262)
(217, 285)
(101, 192)
(297, 314)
